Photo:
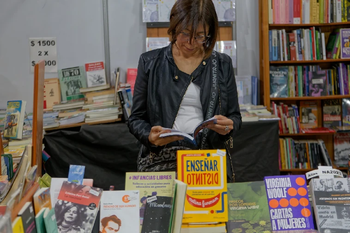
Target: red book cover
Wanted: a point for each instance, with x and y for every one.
(317, 130)
(296, 12)
(293, 50)
(95, 74)
(131, 78)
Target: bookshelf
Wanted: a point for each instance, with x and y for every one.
(265, 64)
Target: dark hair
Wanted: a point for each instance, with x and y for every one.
(112, 218)
(187, 14)
(77, 221)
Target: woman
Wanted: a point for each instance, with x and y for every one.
(180, 86)
(69, 219)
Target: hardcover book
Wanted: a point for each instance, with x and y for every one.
(95, 74)
(119, 211)
(288, 202)
(248, 208)
(150, 184)
(157, 215)
(332, 113)
(52, 93)
(14, 119)
(345, 43)
(279, 81)
(204, 172)
(318, 83)
(199, 127)
(71, 80)
(331, 200)
(77, 207)
(28, 217)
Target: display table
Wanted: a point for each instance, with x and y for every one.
(108, 151)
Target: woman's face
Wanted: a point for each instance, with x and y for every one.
(71, 214)
(190, 48)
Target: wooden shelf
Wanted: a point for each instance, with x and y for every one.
(310, 97)
(308, 62)
(272, 26)
(305, 134)
(309, 169)
(83, 123)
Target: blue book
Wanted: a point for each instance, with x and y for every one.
(255, 90)
(270, 46)
(76, 174)
(279, 81)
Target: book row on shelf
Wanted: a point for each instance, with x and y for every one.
(299, 81)
(308, 11)
(198, 200)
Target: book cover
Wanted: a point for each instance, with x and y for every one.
(28, 217)
(332, 113)
(15, 112)
(77, 207)
(279, 81)
(153, 43)
(131, 75)
(308, 113)
(17, 226)
(119, 211)
(204, 172)
(50, 221)
(95, 74)
(224, 10)
(52, 93)
(318, 83)
(248, 208)
(346, 111)
(331, 200)
(199, 127)
(150, 184)
(39, 221)
(341, 149)
(345, 43)
(164, 8)
(157, 215)
(71, 80)
(42, 199)
(76, 174)
(150, 11)
(288, 202)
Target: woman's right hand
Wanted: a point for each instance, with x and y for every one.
(156, 140)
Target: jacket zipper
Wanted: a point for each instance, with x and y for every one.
(181, 102)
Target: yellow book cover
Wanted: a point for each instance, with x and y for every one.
(204, 172)
(150, 185)
(17, 225)
(52, 93)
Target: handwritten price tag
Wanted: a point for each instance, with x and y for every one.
(43, 48)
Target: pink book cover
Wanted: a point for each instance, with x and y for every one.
(131, 78)
(276, 9)
(290, 8)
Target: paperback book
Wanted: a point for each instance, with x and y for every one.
(119, 211)
(332, 113)
(95, 74)
(71, 80)
(14, 119)
(346, 111)
(199, 127)
(331, 203)
(204, 172)
(52, 93)
(248, 207)
(318, 83)
(288, 201)
(77, 206)
(341, 149)
(279, 81)
(345, 43)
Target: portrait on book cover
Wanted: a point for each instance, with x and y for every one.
(11, 125)
(110, 224)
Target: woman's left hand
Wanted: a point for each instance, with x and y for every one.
(223, 126)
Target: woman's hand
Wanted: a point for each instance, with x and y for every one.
(156, 140)
(223, 126)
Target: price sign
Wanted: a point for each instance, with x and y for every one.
(43, 49)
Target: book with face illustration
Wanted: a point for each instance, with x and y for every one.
(202, 125)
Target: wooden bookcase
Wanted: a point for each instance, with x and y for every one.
(265, 64)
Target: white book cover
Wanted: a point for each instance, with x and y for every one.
(225, 10)
(150, 10)
(156, 43)
(119, 212)
(228, 47)
(95, 74)
(247, 88)
(164, 8)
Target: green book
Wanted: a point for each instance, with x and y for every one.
(50, 221)
(248, 207)
(71, 80)
(39, 221)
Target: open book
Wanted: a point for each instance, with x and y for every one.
(199, 127)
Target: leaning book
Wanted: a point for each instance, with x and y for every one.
(204, 172)
(71, 80)
(288, 202)
(15, 112)
(76, 208)
(331, 203)
(119, 211)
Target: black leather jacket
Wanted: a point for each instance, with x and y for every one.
(160, 87)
